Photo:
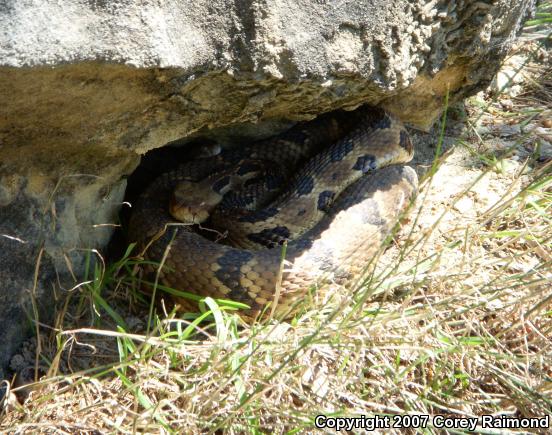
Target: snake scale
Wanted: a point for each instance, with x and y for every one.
(336, 211)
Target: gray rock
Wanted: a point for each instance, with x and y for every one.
(87, 86)
(53, 211)
(218, 62)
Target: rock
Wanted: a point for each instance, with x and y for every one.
(505, 130)
(507, 104)
(219, 62)
(464, 206)
(543, 133)
(499, 130)
(485, 196)
(55, 206)
(511, 76)
(545, 150)
(86, 87)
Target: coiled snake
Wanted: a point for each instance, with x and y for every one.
(336, 212)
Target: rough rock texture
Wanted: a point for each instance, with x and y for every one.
(86, 86)
(55, 205)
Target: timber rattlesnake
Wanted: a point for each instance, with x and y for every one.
(336, 212)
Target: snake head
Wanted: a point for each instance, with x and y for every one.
(190, 205)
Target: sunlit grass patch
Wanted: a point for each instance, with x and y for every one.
(458, 323)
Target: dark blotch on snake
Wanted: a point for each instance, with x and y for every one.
(299, 136)
(259, 216)
(269, 182)
(325, 199)
(247, 167)
(221, 184)
(274, 182)
(234, 200)
(306, 186)
(340, 150)
(230, 273)
(270, 237)
(250, 182)
(365, 163)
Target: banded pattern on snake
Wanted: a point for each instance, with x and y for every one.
(335, 213)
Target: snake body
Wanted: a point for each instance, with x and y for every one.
(336, 212)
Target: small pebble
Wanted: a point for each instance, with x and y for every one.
(545, 150)
(507, 104)
(543, 133)
(464, 205)
(508, 130)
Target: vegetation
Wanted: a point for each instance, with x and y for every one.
(455, 319)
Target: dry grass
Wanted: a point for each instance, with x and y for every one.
(455, 320)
